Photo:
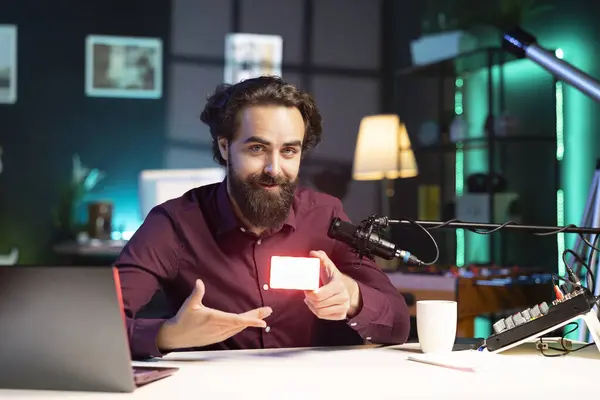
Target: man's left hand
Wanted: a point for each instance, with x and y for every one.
(339, 297)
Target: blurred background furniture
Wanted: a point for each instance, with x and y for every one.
(473, 137)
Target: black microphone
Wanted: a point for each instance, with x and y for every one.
(367, 242)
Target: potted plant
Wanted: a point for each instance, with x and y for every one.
(83, 181)
(13, 257)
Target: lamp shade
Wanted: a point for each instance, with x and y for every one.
(383, 150)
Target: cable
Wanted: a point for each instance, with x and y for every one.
(496, 229)
(563, 229)
(564, 351)
(478, 231)
(590, 272)
(437, 249)
(590, 278)
(556, 277)
(589, 261)
(378, 223)
(593, 248)
(487, 232)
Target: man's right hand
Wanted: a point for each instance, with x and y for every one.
(196, 325)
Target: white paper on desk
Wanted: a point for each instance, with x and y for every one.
(466, 360)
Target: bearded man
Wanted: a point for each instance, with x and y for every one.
(210, 249)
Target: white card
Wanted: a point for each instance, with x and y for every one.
(296, 273)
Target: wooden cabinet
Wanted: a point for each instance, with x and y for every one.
(496, 296)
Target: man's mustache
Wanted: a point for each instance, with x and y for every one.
(269, 180)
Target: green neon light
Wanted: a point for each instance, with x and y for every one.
(560, 152)
(560, 123)
(458, 96)
(459, 174)
(560, 221)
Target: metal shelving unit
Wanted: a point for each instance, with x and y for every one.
(488, 61)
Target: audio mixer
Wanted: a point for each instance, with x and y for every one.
(542, 318)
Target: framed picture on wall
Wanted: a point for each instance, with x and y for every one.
(129, 67)
(249, 55)
(8, 64)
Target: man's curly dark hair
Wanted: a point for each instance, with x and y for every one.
(224, 105)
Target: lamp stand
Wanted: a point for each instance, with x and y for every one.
(386, 193)
(384, 198)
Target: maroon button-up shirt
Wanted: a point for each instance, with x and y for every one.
(198, 236)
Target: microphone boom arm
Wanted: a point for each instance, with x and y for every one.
(524, 45)
(366, 239)
(474, 226)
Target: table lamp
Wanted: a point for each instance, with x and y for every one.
(383, 153)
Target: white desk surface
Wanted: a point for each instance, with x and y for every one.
(358, 373)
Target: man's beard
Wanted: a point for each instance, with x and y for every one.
(262, 208)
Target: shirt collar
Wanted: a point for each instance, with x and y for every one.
(228, 221)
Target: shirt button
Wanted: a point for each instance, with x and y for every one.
(243, 229)
(353, 324)
(266, 287)
(259, 241)
(267, 329)
(368, 337)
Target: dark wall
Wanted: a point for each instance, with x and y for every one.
(53, 118)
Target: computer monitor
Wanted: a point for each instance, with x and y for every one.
(158, 186)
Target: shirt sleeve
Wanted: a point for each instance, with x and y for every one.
(383, 317)
(147, 260)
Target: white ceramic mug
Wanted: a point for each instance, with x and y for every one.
(436, 325)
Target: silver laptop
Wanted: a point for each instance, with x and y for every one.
(63, 328)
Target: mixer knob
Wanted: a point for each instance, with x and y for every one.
(499, 326)
(535, 311)
(544, 308)
(518, 319)
(526, 315)
(509, 322)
